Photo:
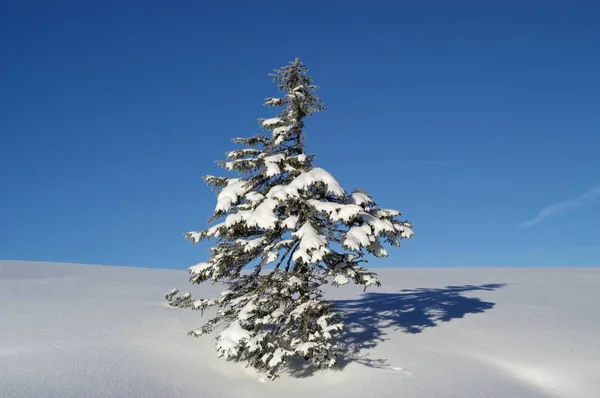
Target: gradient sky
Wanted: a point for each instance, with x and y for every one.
(478, 120)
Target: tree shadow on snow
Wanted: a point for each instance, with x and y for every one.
(411, 311)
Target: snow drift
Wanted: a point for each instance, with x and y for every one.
(70, 330)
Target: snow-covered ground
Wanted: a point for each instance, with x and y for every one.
(71, 330)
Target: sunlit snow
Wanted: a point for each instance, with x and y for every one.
(75, 331)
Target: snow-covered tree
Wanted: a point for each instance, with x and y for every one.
(285, 228)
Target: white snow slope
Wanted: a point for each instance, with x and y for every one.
(71, 330)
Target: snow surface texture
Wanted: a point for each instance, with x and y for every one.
(91, 331)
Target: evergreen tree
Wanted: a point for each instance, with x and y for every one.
(286, 228)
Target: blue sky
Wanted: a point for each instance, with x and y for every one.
(478, 120)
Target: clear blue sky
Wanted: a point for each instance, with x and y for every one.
(469, 117)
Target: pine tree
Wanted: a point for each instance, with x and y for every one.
(286, 229)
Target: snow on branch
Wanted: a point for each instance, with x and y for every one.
(272, 122)
(360, 198)
(305, 180)
(230, 194)
(312, 247)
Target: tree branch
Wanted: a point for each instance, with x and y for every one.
(287, 268)
(284, 256)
